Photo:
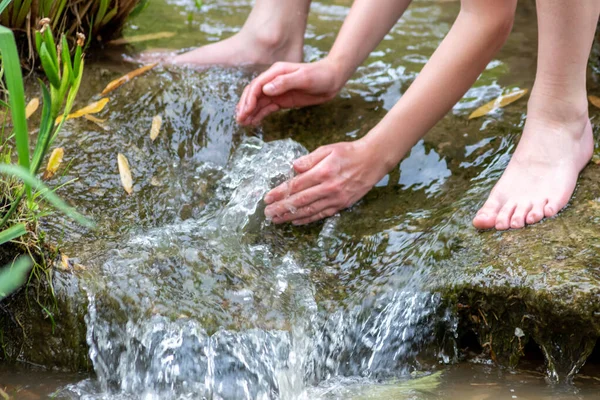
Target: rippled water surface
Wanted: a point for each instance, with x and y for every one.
(192, 293)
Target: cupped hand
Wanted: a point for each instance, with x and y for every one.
(330, 179)
(288, 85)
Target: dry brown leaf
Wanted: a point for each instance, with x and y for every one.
(64, 262)
(54, 162)
(142, 38)
(126, 78)
(500, 102)
(32, 107)
(595, 100)
(92, 108)
(156, 124)
(125, 173)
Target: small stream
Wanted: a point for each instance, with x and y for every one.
(192, 294)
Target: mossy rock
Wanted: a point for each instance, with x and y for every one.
(44, 329)
(540, 283)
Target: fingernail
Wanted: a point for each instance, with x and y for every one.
(300, 163)
(296, 223)
(268, 199)
(269, 87)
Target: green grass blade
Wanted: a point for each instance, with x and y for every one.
(45, 192)
(14, 84)
(4, 4)
(102, 8)
(11, 233)
(14, 276)
(139, 8)
(46, 124)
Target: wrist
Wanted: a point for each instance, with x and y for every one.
(383, 148)
(340, 69)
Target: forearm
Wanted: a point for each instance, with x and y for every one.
(364, 28)
(453, 68)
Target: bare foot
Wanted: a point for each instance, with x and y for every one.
(263, 47)
(274, 31)
(543, 171)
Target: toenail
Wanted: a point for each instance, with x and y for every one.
(482, 215)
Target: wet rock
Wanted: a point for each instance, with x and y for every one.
(541, 283)
(46, 329)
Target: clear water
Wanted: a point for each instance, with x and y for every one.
(193, 294)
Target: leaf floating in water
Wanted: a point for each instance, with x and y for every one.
(54, 162)
(156, 124)
(92, 108)
(32, 107)
(595, 100)
(141, 38)
(125, 173)
(126, 78)
(500, 102)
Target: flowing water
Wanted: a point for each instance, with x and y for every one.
(193, 294)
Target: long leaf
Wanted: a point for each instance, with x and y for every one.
(46, 125)
(11, 233)
(4, 4)
(14, 84)
(45, 192)
(13, 277)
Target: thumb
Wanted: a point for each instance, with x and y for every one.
(307, 162)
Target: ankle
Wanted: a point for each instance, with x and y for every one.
(277, 28)
(557, 108)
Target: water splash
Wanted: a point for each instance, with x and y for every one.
(213, 308)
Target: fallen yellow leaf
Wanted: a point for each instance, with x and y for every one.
(142, 38)
(595, 100)
(156, 124)
(32, 107)
(94, 119)
(54, 162)
(92, 108)
(125, 173)
(64, 262)
(500, 102)
(126, 78)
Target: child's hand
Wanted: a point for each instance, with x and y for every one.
(330, 179)
(289, 85)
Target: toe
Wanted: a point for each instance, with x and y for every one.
(505, 215)
(518, 219)
(486, 216)
(552, 208)
(536, 214)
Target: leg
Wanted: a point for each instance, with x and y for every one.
(557, 141)
(274, 31)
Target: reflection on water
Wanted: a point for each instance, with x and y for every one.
(192, 293)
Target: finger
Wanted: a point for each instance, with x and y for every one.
(270, 109)
(298, 201)
(323, 214)
(262, 103)
(256, 86)
(306, 212)
(309, 161)
(294, 185)
(285, 83)
(238, 107)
